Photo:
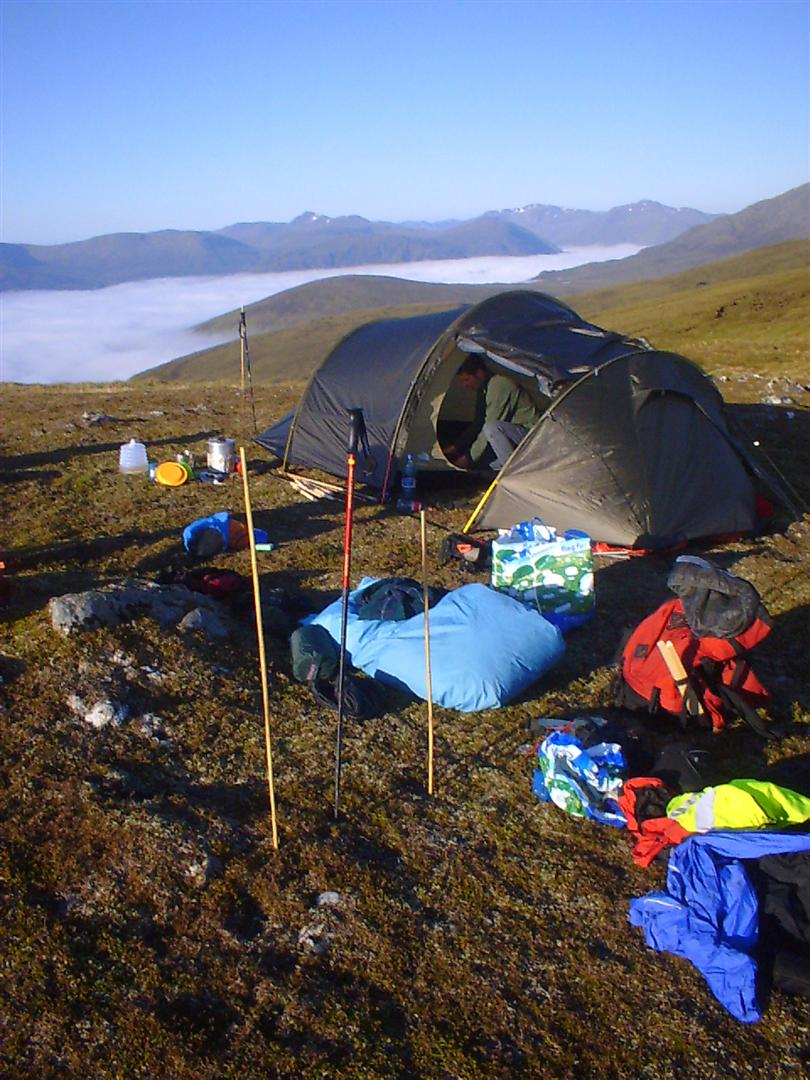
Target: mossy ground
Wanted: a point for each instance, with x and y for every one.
(150, 929)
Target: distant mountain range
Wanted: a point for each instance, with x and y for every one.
(313, 241)
(772, 221)
(641, 223)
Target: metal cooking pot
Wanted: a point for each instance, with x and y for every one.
(222, 455)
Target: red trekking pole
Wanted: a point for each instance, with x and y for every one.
(357, 438)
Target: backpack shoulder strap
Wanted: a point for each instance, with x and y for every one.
(736, 701)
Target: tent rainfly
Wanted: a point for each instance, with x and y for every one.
(631, 445)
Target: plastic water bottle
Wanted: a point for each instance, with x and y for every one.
(132, 458)
(408, 484)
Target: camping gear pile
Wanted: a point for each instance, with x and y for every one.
(484, 644)
(221, 460)
(722, 834)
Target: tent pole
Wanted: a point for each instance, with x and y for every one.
(429, 681)
(260, 634)
(471, 519)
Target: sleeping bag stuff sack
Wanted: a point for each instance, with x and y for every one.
(485, 648)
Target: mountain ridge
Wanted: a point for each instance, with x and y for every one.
(777, 220)
(317, 241)
(646, 222)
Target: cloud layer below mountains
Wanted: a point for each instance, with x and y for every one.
(109, 334)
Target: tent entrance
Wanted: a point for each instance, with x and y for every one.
(437, 411)
(442, 409)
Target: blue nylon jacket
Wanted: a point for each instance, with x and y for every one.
(709, 914)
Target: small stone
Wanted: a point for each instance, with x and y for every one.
(152, 674)
(196, 871)
(99, 715)
(152, 726)
(328, 899)
(313, 939)
(206, 622)
(203, 870)
(97, 419)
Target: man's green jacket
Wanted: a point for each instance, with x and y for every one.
(503, 400)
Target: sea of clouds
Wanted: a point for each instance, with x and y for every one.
(103, 335)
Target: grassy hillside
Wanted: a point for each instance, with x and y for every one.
(150, 929)
(339, 296)
(747, 312)
(283, 357)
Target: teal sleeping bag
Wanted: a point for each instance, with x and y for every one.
(485, 647)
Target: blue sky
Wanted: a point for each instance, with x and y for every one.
(130, 116)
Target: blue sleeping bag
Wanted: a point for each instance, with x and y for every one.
(485, 647)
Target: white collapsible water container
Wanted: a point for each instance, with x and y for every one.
(132, 458)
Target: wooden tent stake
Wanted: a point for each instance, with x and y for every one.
(260, 632)
(422, 530)
(678, 673)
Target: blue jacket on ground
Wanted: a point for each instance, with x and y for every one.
(710, 915)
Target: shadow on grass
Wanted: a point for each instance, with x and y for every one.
(777, 439)
(82, 551)
(21, 476)
(10, 466)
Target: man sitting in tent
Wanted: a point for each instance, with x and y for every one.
(504, 414)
